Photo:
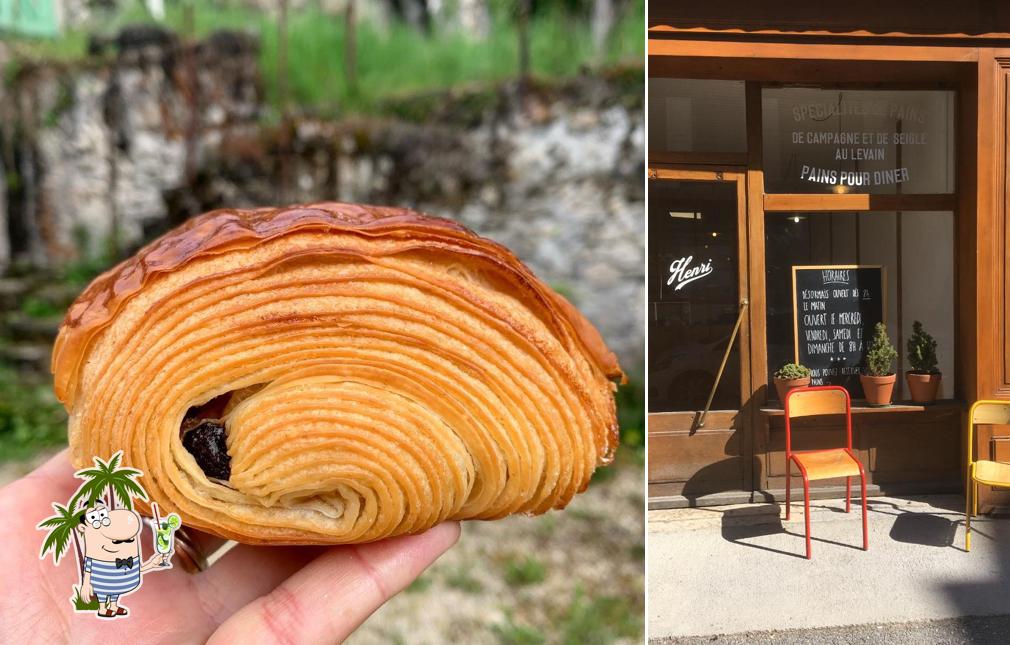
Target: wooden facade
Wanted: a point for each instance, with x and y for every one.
(964, 47)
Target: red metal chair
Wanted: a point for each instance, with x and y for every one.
(822, 464)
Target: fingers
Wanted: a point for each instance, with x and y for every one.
(331, 596)
(246, 573)
(52, 481)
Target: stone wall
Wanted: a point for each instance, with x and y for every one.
(90, 150)
(110, 154)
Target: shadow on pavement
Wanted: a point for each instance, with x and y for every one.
(926, 529)
(741, 525)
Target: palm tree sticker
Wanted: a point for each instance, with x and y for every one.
(108, 481)
(105, 536)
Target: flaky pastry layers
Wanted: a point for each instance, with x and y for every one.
(376, 371)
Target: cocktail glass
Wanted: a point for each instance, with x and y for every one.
(164, 536)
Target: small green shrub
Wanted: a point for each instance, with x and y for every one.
(631, 413)
(921, 350)
(791, 371)
(30, 417)
(512, 633)
(419, 585)
(36, 307)
(882, 353)
(600, 620)
(527, 571)
(461, 579)
(80, 605)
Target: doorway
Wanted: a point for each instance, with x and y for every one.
(700, 447)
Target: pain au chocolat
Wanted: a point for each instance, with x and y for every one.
(335, 373)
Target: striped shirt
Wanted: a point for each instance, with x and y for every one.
(106, 579)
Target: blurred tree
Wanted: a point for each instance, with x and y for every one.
(416, 13)
(474, 18)
(523, 23)
(282, 55)
(604, 18)
(351, 48)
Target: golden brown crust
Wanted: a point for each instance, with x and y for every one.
(225, 229)
(376, 371)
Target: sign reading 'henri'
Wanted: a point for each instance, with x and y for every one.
(835, 309)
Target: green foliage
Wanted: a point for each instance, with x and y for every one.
(63, 104)
(792, 371)
(84, 606)
(512, 633)
(30, 417)
(881, 354)
(921, 350)
(419, 585)
(600, 620)
(107, 477)
(523, 572)
(61, 529)
(460, 578)
(631, 413)
(393, 60)
(36, 307)
(86, 267)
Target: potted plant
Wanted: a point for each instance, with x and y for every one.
(790, 376)
(924, 378)
(878, 377)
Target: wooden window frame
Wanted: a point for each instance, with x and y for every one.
(898, 203)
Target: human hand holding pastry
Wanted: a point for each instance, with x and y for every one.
(252, 594)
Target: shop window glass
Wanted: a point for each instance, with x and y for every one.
(917, 251)
(693, 294)
(860, 141)
(687, 115)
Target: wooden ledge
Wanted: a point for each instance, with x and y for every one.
(860, 407)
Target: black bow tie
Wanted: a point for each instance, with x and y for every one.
(124, 563)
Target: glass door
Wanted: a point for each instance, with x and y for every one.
(698, 341)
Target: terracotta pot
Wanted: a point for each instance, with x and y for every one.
(923, 386)
(783, 385)
(878, 389)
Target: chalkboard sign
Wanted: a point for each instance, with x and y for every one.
(835, 309)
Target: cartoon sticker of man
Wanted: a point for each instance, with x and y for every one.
(112, 565)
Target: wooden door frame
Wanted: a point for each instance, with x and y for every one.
(739, 177)
(667, 421)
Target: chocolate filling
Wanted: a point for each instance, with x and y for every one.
(207, 443)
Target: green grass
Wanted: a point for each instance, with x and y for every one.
(461, 579)
(587, 515)
(527, 571)
(512, 633)
(419, 585)
(30, 417)
(600, 620)
(80, 605)
(391, 62)
(36, 307)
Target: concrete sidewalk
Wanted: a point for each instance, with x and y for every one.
(733, 569)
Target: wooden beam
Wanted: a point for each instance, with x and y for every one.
(766, 30)
(699, 158)
(859, 73)
(659, 47)
(858, 202)
(975, 19)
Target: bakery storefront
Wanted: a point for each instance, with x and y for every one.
(814, 169)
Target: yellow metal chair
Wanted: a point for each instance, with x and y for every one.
(983, 471)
